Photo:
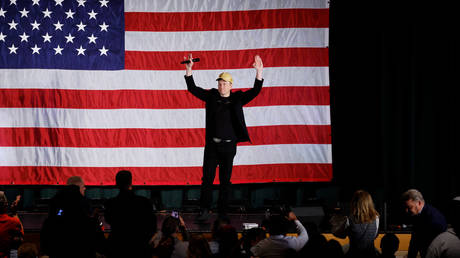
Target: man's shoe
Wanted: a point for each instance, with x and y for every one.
(203, 216)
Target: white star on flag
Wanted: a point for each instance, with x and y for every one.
(69, 38)
(69, 14)
(12, 25)
(81, 50)
(103, 3)
(92, 14)
(2, 12)
(24, 12)
(81, 26)
(35, 2)
(47, 37)
(58, 50)
(12, 2)
(35, 49)
(47, 13)
(2, 37)
(35, 25)
(104, 26)
(103, 51)
(13, 49)
(58, 2)
(24, 37)
(92, 39)
(58, 26)
(81, 2)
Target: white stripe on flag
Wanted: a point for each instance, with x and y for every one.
(159, 157)
(219, 6)
(226, 40)
(155, 118)
(156, 80)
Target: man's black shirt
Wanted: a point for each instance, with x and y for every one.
(223, 118)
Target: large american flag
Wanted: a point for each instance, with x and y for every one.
(91, 87)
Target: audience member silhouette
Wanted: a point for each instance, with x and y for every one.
(389, 245)
(229, 246)
(166, 242)
(314, 248)
(28, 250)
(447, 244)
(362, 226)
(131, 219)
(278, 244)
(11, 231)
(428, 222)
(250, 238)
(198, 247)
(333, 249)
(218, 223)
(69, 231)
(78, 181)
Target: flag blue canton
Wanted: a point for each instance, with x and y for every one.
(62, 34)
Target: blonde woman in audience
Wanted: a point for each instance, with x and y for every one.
(362, 226)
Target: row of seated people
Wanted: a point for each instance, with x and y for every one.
(73, 230)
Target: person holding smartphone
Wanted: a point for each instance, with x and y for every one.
(166, 242)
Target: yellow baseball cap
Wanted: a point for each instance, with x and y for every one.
(226, 77)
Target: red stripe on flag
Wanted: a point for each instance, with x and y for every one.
(149, 99)
(165, 175)
(229, 20)
(155, 138)
(229, 59)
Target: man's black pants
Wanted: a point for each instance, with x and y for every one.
(217, 154)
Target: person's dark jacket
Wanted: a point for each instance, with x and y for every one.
(132, 224)
(69, 231)
(426, 226)
(238, 99)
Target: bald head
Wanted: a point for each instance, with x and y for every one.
(78, 181)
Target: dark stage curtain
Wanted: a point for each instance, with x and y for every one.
(394, 75)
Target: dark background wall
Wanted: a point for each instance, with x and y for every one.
(393, 70)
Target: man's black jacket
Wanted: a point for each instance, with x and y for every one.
(237, 100)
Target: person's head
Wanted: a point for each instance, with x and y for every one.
(217, 224)
(228, 241)
(124, 180)
(315, 246)
(333, 249)
(362, 207)
(278, 225)
(165, 247)
(389, 244)
(170, 226)
(3, 202)
(253, 236)
(198, 247)
(413, 201)
(224, 84)
(78, 181)
(28, 250)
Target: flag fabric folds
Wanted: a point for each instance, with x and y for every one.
(91, 87)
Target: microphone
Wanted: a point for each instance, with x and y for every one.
(188, 61)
